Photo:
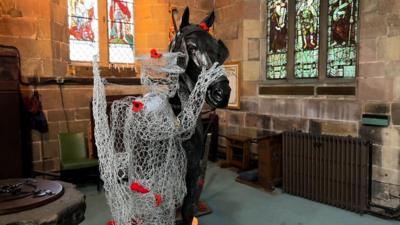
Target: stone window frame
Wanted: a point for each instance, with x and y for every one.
(114, 69)
(322, 78)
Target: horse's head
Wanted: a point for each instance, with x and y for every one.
(202, 50)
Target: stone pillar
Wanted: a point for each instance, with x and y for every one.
(379, 91)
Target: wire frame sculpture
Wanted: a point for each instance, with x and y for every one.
(142, 162)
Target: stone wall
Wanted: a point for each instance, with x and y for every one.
(153, 20)
(242, 25)
(379, 88)
(76, 118)
(38, 28)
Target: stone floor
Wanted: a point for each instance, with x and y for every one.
(237, 204)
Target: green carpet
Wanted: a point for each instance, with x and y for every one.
(237, 204)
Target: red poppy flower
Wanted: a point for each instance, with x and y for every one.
(200, 183)
(111, 222)
(204, 26)
(137, 106)
(136, 187)
(154, 54)
(201, 206)
(158, 199)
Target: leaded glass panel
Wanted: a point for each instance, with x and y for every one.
(121, 31)
(342, 53)
(307, 38)
(83, 29)
(277, 17)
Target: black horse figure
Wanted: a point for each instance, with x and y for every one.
(202, 50)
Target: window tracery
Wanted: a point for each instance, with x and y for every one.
(299, 50)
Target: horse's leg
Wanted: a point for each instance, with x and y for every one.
(194, 148)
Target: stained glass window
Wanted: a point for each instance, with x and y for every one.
(277, 17)
(121, 31)
(342, 53)
(307, 38)
(83, 29)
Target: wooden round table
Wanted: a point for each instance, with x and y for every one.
(65, 205)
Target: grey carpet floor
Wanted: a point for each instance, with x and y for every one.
(237, 204)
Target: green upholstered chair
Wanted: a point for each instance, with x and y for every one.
(73, 154)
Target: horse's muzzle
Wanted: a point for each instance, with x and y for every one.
(218, 93)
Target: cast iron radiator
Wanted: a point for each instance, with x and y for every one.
(328, 169)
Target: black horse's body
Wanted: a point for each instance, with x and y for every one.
(202, 50)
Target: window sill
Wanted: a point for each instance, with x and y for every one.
(322, 86)
(310, 81)
(86, 70)
(79, 80)
(307, 90)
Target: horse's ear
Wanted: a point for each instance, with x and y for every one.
(209, 20)
(185, 18)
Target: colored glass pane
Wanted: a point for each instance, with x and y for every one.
(342, 53)
(277, 17)
(121, 31)
(307, 38)
(83, 29)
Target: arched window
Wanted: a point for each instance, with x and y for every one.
(312, 39)
(86, 31)
(121, 41)
(83, 29)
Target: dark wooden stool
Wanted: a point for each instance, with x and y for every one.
(242, 144)
(270, 162)
(269, 148)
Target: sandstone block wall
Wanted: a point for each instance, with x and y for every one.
(242, 25)
(39, 29)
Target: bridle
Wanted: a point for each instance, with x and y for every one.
(178, 44)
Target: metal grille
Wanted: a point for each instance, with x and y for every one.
(328, 169)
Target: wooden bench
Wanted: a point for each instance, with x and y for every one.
(269, 149)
